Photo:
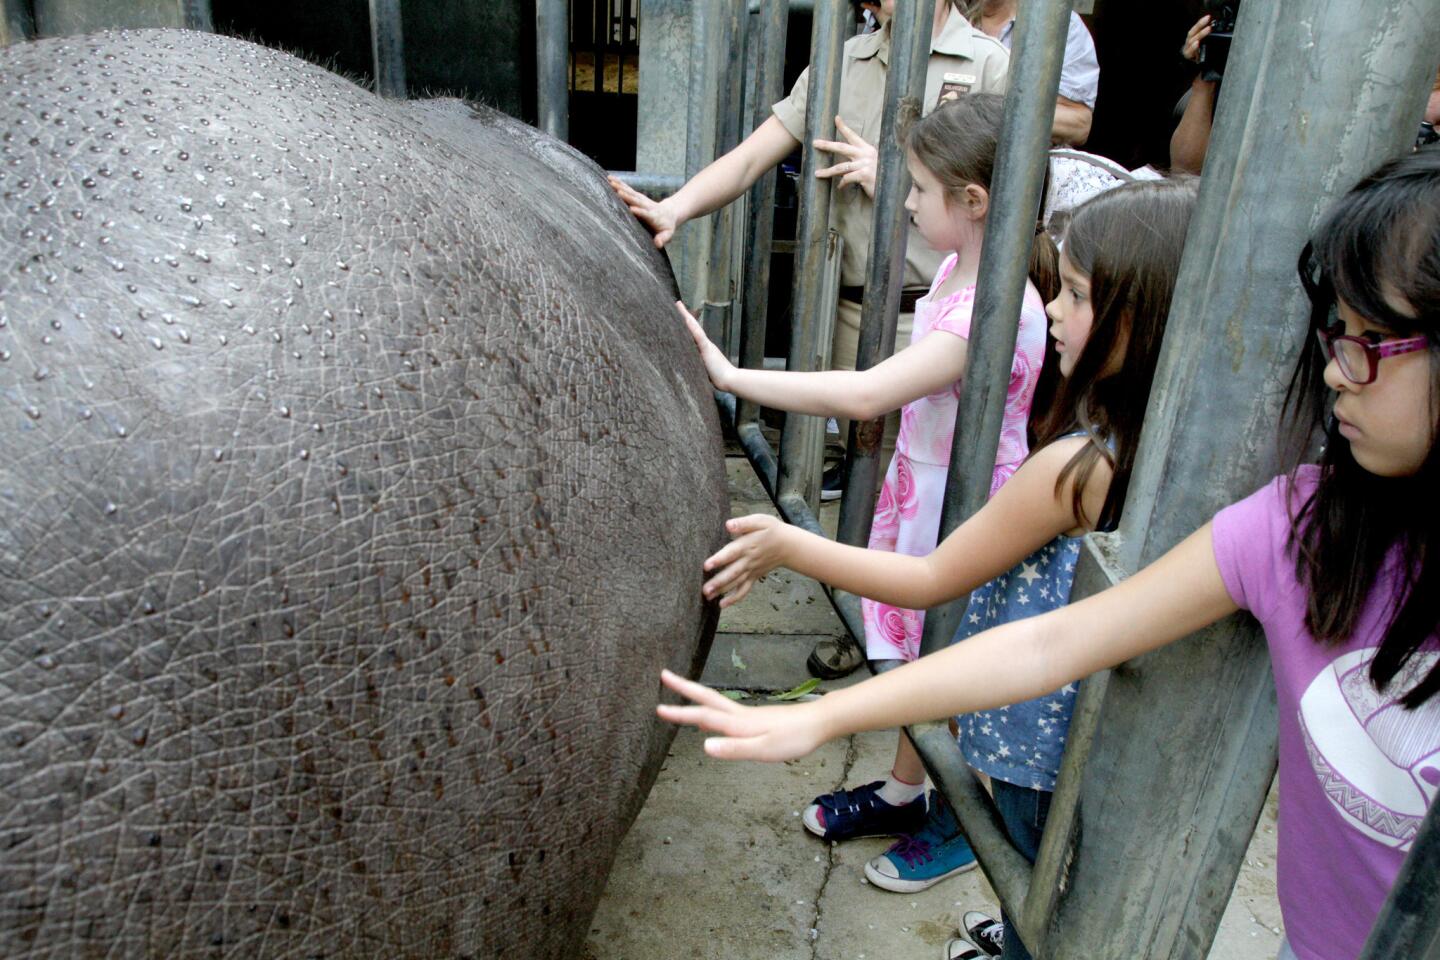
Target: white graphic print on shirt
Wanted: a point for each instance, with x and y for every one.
(1378, 763)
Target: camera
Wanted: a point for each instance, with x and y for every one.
(1215, 49)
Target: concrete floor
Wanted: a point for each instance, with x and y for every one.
(718, 866)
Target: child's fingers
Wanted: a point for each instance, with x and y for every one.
(741, 748)
(703, 718)
(734, 597)
(750, 523)
(829, 172)
(698, 693)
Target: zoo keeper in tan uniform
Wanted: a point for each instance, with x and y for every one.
(962, 59)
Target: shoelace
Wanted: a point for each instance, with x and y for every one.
(912, 850)
(992, 933)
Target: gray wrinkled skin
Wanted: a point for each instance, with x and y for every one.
(356, 481)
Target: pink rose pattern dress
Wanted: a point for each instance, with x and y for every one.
(907, 513)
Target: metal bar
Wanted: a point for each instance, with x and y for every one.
(911, 27)
(1281, 149)
(769, 88)
(387, 47)
(1409, 924)
(1020, 158)
(656, 186)
(729, 44)
(693, 239)
(802, 441)
(197, 15)
(552, 66)
(1041, 29)
(17, 21)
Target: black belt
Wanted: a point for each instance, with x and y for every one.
(908, 296)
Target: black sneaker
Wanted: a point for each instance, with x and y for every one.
(986, 933)
(832, 483)
(834, 657)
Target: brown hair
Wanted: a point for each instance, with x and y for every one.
(1128, 241)
(956, 142)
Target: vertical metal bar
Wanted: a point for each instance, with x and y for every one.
(197, 15)
(17, 21)
(729, 43)
(387, 46)
(769, 88)
(802, 441)
(1041, 29)
(1409, 924)
(911, 27)
(599, 16)
(1281, 149)
(1020, 159)
(552, 51)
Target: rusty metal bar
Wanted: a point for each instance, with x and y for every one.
(197, 15)
(817, 249)
(769, 88)
(885, 274)
(387, 47)
(656, 186)
(552, 66)
(728, 44)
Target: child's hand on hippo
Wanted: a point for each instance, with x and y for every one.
(717, 365)
(757, 547)
(657, 216)
(747, 733)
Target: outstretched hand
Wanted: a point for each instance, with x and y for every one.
(747, 733)
(1201, 30)
(656, 216)
(859, 158)
(717, 366)
(756, 549)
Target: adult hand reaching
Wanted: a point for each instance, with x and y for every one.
(859, 158)
(657, 216)
(747, 733)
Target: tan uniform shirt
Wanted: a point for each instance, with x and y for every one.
(962, 59)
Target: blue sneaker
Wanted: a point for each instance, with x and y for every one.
(847, 814)
(936, 851)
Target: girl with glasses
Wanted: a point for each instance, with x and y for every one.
(1339, 561)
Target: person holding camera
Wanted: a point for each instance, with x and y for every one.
(1191, 139)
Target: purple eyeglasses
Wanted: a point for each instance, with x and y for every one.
(1358, 357)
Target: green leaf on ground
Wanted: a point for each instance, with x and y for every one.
(734, 694)
(797, 692)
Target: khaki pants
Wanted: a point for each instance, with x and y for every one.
(842, 357)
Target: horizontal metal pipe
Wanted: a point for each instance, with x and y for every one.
(885, 270)
(656, 186)
(552, 66)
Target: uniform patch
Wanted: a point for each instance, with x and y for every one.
(954, 85)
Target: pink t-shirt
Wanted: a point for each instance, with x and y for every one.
(927, 425)
(1357, 770)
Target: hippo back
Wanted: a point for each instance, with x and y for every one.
(357, 482)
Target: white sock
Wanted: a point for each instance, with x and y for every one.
(897, 793)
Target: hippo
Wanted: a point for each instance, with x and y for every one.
(357, 478)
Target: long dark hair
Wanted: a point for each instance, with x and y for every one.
(1377, 249)
(956, 142)
(1128, 241)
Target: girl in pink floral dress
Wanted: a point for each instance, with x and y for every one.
(951, 155)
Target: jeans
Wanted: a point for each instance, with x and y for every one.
(1024, 812)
